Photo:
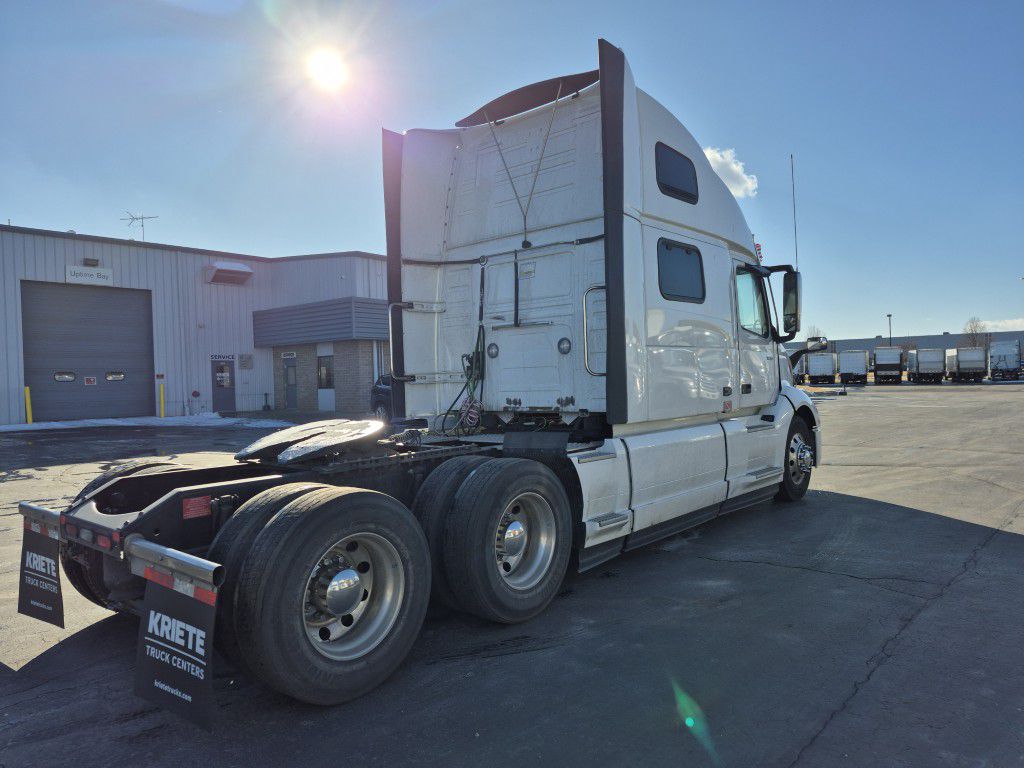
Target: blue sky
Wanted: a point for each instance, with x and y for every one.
(906, 120)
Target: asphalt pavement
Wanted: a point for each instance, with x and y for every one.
(877, 623)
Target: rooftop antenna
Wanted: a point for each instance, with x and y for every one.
(792, 181)
(140, 219)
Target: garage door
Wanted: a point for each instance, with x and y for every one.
(88, 351)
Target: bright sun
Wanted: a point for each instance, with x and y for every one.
(326, 69)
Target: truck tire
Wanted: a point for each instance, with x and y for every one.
(332, 595)
(84, 566)
(796, 474)
(431, 507)
(230, 547)
(507, 540)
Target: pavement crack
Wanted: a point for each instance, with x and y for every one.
(868, 579)
(885, 652)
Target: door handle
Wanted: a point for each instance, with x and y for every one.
(744, 389)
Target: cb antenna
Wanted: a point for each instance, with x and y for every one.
(138, 218)
(792, 181)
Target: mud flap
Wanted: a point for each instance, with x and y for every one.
(174, 666)
(39, 593)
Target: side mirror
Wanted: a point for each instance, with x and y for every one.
(817, 343)
(791, 303)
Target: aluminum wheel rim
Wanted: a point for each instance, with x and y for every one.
(524, 541)
(799, 459)
(381, 412)
(370, 615)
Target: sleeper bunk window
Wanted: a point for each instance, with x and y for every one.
(676, 174)
(680, 272)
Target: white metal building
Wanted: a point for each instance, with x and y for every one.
(93, 326)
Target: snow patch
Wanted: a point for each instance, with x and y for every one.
(199, 420)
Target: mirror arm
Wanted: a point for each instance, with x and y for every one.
(795, 357)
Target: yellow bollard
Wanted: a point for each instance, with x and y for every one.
(161, 399)
(28, 406)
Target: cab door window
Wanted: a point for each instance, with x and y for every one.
(751, 304)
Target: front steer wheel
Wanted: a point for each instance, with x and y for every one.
(798, 462)
(332, 594)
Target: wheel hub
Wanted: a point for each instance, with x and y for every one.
(800, 459)
(352, 596)
(344, 592)
(516, 537)
(524, 542)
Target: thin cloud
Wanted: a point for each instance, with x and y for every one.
(732, 172)
(1010, 324)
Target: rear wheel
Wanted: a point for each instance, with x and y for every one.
(232, 545)
(799, 461)
(431, 507)
(332, 594)
(381, 412)
(84, 566)
(508, 540)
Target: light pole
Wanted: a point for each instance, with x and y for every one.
(889, 315)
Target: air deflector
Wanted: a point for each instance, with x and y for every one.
(529, 97)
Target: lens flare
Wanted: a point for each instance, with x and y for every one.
(326, 69)
(693, 718)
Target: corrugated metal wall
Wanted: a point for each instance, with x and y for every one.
(192, 319)
(332, 320)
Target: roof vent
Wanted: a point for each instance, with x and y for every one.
(228, 273)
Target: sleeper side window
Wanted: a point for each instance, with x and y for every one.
(750, 302)
(676, 174)
(680, 272)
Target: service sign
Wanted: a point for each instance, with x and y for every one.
(174, 666)
(88, 275)
(39, 590)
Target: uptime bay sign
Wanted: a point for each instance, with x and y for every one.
(88, 275)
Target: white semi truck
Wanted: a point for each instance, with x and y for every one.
(1004, 360)
(926, 365)
(586, 359)
(821, 367)
(966, 364)
(854, 365)
(888, 365)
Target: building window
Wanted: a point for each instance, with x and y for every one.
(325, 372)
(680, 272)
(751, 305)
(676, 175)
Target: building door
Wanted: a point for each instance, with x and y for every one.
(223, 372)
(325, 398)
(291, 388)
(88, 351)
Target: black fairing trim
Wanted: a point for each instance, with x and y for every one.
(392, 156)
(612, 68)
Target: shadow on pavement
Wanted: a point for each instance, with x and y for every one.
(840, 629)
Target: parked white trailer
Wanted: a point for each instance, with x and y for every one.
(928, 365)
(966, 364)
(583, 333)
(821, 367)
(888, 365)
(853, 366)
(1004, 359)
